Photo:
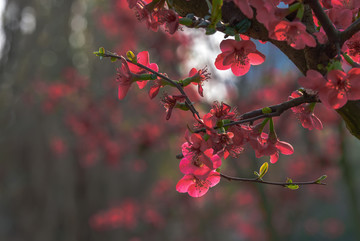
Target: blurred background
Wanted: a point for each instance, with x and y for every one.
(78, 164)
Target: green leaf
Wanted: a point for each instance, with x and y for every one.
(185, 21)
(322, 178)
(206, 137)
(263, 169)
(131, 56)
(113, 59)
(291, 186)
(243, 26)
(101, 50)
(210, 30)
(229, 31)
(266, 110)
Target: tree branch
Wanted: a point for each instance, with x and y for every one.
(277, 110)
(327, 25)
(350, 31)
(172, 82)
(257, 180)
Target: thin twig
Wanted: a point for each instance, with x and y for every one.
(257, 180)
(172, 82)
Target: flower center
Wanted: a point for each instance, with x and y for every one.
(343, 85)
(241, 57)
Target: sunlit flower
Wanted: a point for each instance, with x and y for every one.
(238, 55)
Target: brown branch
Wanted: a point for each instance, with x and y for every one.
(277, 110)
(172, 82)
(328, 26)
(257, 180)
(350, 31)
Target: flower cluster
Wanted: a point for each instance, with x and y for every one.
(203, 151)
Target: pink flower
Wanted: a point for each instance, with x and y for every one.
(337, 89)
(340, 17)
(142, 58)
(197, 187)
(218, 112)
(124, 79)
(293, 32)
(269, 145)
(199, 152)
(352, 47)
(170, 101)
(238, 55)
(305, 114)
(200, 76)
(198, 165)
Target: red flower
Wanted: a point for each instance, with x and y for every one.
(238, 55)
(293, 32)
(197, 187)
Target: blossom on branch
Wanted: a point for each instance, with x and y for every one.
(238, 55)
(294, 33)
(337, 89)
(142, 58)
(199, 77)
(195, 186)
(124, 79)
(269, 145)
(170, 102)
(305, 114)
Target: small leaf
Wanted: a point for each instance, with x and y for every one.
(218, 169)
(101, 50)
(229, 31)
(131, 56)
(206, 137)
(210, 31)
(113, 59)
(243, 26)
(292, 186)
(263, 169)
(323, 177)
(266, 110)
